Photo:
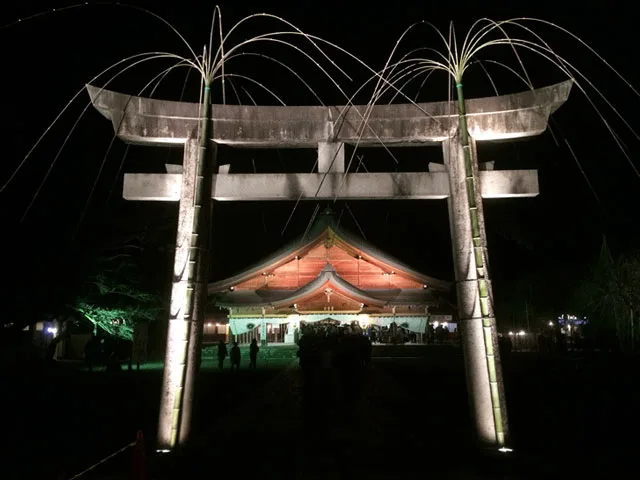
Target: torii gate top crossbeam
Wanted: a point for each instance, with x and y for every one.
(147, 121)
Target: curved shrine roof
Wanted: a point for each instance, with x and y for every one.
(325, 228)
(251, 288)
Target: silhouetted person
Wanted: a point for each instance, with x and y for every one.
(431, 334)
(222, 354)
(113, 365)
(439, 334)
(90, 352)
(561, 343)
(374, 335)
(253, 354)
(365, 350)
(308, 353)
(235, 357)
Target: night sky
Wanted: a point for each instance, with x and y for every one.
(539, 247)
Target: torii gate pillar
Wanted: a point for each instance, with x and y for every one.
(188, 293)
(478, 333)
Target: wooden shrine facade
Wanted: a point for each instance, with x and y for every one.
(330, 275)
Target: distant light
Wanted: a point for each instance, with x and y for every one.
(435, 324)
(510, 333)
(425, 286)
(163, 451)
(505, 450)
(521, 332)
(551, 324)
(209, 324)
(217, 324)
(53, 331)
(445, 324)
(232, 288)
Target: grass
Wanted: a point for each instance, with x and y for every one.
(567, 414)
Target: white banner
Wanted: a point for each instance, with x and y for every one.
(239, 326)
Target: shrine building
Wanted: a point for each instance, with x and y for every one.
(329, 276)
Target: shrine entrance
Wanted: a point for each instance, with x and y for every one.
(327, 322)
(308, 277)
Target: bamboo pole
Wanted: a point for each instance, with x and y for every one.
(487, 341)
(188, 296)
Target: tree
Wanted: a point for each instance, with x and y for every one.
(611, 296)
(113, 299)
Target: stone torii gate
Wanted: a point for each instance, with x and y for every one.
(146, 121)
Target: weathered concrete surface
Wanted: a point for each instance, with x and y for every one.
(354, 186)
(330, 157)
(189, 286)
(478, 334)
(179, 327)
(141, 120)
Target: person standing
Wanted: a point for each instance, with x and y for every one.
(222, 354)
(234, 355)
(253, 354)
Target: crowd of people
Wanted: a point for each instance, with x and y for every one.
(235, 355)
(329, 346)
(334, 361)
(319, 346)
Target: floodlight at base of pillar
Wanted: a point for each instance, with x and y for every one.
(505, 450)
(163, 450)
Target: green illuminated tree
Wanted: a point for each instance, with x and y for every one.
(113, 299)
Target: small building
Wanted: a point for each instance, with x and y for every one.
(328, 276)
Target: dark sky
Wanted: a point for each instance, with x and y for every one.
(538, 246)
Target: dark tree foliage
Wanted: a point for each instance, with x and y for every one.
(610, 296)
